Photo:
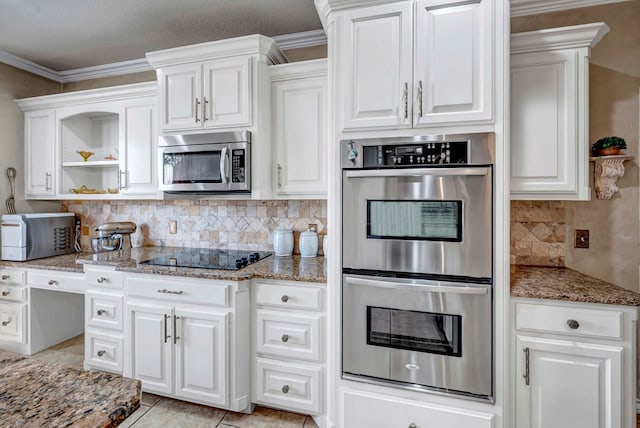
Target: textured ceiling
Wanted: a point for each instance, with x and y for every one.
(71, 34)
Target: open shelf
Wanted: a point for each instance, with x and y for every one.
(100, 164)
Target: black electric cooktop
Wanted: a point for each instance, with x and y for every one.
(204, 258)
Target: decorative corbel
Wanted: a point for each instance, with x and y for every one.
(607, 171)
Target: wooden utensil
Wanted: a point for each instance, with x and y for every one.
(11, 200)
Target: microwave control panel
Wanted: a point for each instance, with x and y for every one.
(238, 166)
(432, 153)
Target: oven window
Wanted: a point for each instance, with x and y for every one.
(415, 220)
(429, 332)
(192, 167)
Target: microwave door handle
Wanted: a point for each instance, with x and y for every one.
(442, 172)
(224, 157)
(419, 285)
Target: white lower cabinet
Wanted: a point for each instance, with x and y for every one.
(362, 409)
(13, 316)
(575, 365)
(288, 328)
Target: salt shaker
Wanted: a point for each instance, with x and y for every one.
(308, 244)
(283, 242)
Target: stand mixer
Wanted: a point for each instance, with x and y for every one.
(113, 236)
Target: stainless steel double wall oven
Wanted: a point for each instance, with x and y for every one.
(417, 289)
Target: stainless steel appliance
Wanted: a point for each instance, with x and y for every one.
(417, 262)
(205, 258)
(113, 236)
(206, 163)
(38, 235)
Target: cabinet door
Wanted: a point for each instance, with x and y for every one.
(453, 70)
(138, 163)
(39, 131)
(227, 93)
(202, 355)
(180, 96)
(13, 318)
(151, 337)
(376, 66)
(547, 162)
(569, 384)
(299, 120)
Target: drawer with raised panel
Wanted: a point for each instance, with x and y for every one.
(51, 280)
(289, 386)
(289, 335)
(103, 351)
(104, 310)
(13, 318)
(179, 289)
(12, 292)
(103, 278)
(12, 276)
(288, 296)
(569, 320)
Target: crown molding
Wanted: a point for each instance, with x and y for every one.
(299, 70)
(284, 42)
(535, 7)
(574, 37)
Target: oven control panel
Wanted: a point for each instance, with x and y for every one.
(430, 153)
(237, 166)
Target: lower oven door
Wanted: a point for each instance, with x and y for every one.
(420, 334)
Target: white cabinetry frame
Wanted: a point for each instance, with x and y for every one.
(550, 112)
(417, 64)
(39, 128)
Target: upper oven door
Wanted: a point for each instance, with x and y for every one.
(435, 221)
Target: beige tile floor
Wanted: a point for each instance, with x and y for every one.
(156, 411)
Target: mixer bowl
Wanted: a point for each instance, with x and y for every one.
(106, 244)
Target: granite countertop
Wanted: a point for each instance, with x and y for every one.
(293, 268)
(38, 393)
(568, 285)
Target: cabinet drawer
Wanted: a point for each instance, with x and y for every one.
(13, 319)
(289, 335)
(288, 296)
(178, 289)
(10, 292)
(103, 278)
(103, 351)
(50, 280)
(289, 386)
(10, 276)
(569, 320)
(104, 310)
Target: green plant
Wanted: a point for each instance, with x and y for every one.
(607, 142)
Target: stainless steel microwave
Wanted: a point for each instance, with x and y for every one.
(206, 163)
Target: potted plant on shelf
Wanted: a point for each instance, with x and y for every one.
(608, 146)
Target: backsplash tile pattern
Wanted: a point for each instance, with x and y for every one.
(538, 233)
(243, 225)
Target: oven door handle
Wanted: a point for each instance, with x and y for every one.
(421, 285)
(443, 172)
(224, 157)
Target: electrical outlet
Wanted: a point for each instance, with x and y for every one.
(313, 227)
(173, 227)
(582, 238)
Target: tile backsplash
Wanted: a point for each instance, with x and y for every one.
(244, 225)
(538, 233)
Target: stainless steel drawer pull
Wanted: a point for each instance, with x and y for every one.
(52, 282)
(102, 279)
(6, 323)
(526, 366)
(175, 329)
(285, 338)
(101, 353)
(412, 425)
(101, 312)
(284, 298)
(165, 291)
(6, 293)
(573, 324)
(166, 317)
(5, 277)
(285, 389)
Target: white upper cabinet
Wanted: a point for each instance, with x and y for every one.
(39, 129)
(549, 112)
(299, 129)
(422, 64)
(181, 96)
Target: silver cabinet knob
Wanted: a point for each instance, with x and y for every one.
(5, 293)
(285, 389)
(101, 353)
(101, 312)
(6, 323)
(285, 338)
(101, 280)
(284, 298)
(5, 277)
(573, 324)
(52, 282)
(412, 425)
